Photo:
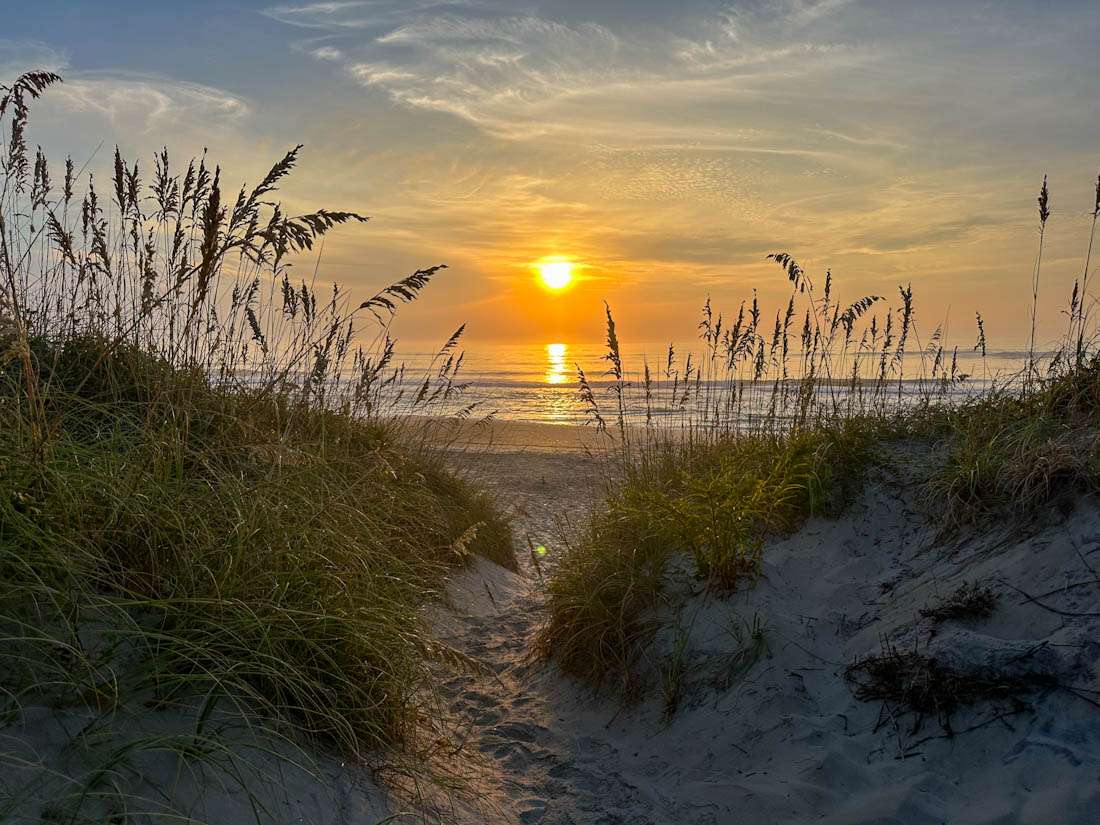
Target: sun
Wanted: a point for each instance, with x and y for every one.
(555, 274)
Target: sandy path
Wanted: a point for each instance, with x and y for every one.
(767, 731)
(765, 734)
(546, 765)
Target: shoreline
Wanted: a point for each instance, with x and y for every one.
(505, 435)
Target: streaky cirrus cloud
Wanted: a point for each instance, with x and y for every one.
(149, 102)
(526, 76)
(127, 100)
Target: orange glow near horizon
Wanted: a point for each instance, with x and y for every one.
(556, 275)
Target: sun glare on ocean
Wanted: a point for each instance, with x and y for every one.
(556, 370)
(555, 274)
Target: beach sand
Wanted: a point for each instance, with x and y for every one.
(504, 435)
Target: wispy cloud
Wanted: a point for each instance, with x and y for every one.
(130, 102)
(350, 15)
(149, 102)
(530, 76)
(327, 53)
(322, 15)
(18, 56)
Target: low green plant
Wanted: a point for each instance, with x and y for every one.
(750, 645)
(717, 502)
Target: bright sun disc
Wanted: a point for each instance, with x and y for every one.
(556, 274)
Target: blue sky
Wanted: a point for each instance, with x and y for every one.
(665, 147)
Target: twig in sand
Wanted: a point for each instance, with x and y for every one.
(1035, 600)
(1089, 567)
(998, 717)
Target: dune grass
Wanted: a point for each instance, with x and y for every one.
(292, 569)
(766, 430)
(711, 504)
(1012, 453)
(210, 496)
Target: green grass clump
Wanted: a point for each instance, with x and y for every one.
(604, 585)
(279, 552)
(714, 503)
(1011, 453)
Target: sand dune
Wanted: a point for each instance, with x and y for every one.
(779, 736)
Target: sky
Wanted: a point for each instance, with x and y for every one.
(663, 148)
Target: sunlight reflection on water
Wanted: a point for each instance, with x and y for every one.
(556, 370)
(538, 382)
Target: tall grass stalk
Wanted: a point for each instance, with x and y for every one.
(1084, 307)
(1044, 213)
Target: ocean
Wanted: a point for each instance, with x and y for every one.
(540, 382)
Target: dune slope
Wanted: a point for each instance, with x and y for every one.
(767, 728)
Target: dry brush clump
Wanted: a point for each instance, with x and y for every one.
(208, 493)
(969, 601)
(915, 686)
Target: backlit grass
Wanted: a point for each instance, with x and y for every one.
(206, 500)
(765, 430)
